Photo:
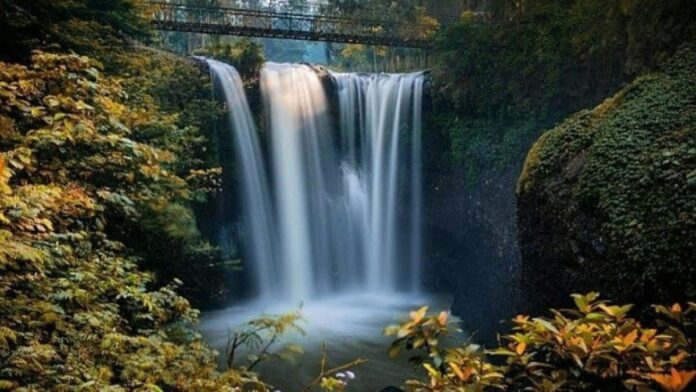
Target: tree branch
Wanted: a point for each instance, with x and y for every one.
(323, 372)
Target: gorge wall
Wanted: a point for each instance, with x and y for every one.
(470, 236)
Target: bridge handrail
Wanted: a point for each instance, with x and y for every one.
(213, 19)
(281, 14)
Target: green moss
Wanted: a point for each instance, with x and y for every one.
(565, 141)
(638, 152)
(531, 164)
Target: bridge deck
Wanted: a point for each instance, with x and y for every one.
(287, 25)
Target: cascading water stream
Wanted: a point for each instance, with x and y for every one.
(258, 217)
(339, 211)
(377, 113)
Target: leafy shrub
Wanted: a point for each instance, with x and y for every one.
(177, 92)
(507, 77)
(76, 311)
(448, 369)
(261, 334)
(596, 346)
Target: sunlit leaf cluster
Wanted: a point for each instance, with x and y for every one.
(77, 312)
(593, 347)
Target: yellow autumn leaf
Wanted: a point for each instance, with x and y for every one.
(457, 371)
(647, 335)
(417, 315)
(442, 318)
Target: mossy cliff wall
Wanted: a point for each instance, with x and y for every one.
(607, 199)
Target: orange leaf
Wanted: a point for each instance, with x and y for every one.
(463, 375)
(520, 348)
(676, 359)
(467, 373)
(647, 335)
(676, 381)
(630, 338)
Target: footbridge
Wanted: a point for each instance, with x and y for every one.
(309, 24)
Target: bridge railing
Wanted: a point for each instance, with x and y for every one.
(278, 24)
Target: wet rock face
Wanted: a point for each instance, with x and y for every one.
(471, 247)
(558, 240)
(605, 201)
(325, 77)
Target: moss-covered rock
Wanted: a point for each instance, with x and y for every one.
(607, 200)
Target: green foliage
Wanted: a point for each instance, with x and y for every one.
(531, 63)
(87, 26)
(77, 313)
(629, 165)
(178, 92)
(175, 113)
(404, 18)
(245, 55)
(546, 55)
(596, 346)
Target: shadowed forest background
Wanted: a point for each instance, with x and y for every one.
(559, 157)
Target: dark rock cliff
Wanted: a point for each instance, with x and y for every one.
(470, 236)
(471, 244)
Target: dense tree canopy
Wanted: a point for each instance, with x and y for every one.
(93, 26)
(515, 71)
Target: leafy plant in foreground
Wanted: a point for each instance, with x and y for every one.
(596, 346)
(76, 312)
(447, 368)
(333, 379)
(262, 334)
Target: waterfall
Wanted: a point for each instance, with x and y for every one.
(256, 204)
(377, 114)
(339, 211)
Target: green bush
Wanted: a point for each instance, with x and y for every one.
(502, 79)
(167, 237)
(77, 313)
